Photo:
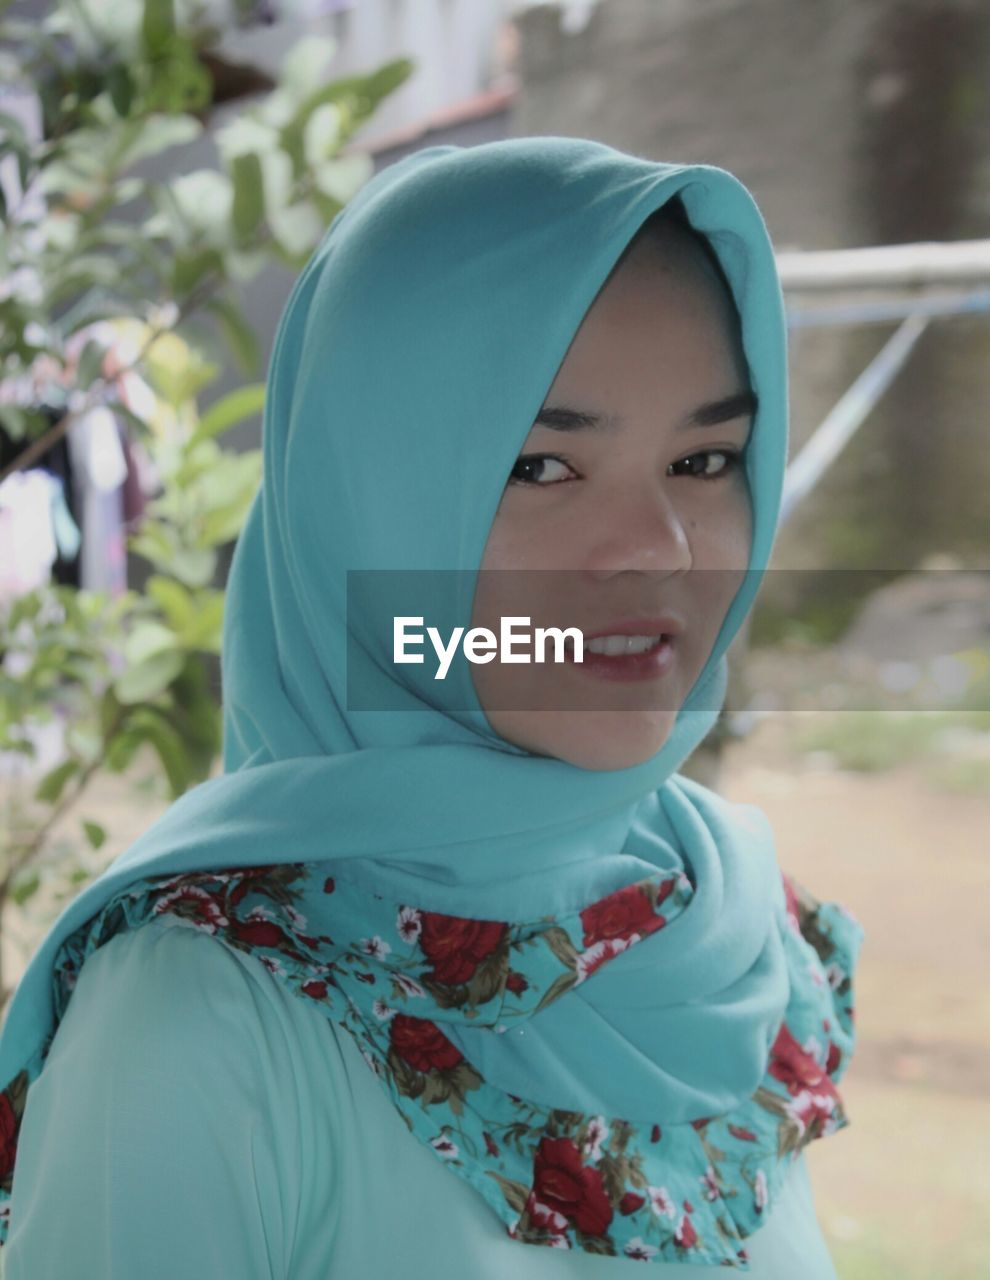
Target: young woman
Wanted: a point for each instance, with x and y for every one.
(442, 968)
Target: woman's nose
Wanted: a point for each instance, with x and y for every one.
(642, 530)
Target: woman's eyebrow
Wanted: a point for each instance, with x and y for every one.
(561, 418)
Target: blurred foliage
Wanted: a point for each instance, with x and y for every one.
(89, 248)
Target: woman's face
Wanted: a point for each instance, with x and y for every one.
(648, 515)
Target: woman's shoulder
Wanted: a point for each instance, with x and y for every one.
(176, 1079)
(175, 989)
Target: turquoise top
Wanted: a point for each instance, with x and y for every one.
(170, 1171)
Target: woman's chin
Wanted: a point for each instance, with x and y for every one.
(593, 740)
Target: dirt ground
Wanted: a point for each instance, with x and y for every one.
(902, 1192)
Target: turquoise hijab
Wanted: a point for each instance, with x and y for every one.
(410, 361)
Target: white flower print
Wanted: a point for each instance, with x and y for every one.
(835, 975)
(541, 1215)
(272, 963)
(817, 1050)
(637, 1248)
(760, 1191)
(382, 1011)
(808, 1106)
(661, 1202)
(445, 1147)
(597, 1133)
(212, 919)
(409, 985)
(372, 1062)
(299, 921)
(590, 959)
(374, 946)
(709, 1184)
(409, 924)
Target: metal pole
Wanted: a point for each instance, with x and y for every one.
(840, 424)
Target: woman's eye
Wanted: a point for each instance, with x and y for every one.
(530, 468)
(530, 462)
(732, 460)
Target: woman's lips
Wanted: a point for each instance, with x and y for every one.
(627, 666)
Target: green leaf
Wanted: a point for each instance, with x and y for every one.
(297, 228)
(25, 887)
(144, 681)
(90, 364)
(193, 567)
(190, 268)
(249, 195)
(146, 641)
(120, 86)
(53, 783)
(158, 25)
(559, 942)
(196, 714)
(243, 403)
(305, 65)
(15, 139)
(154, 726)
(516, 1193)
(159, 132)
(121, 750)
(239, 335)
(206, 630)
(557, 989)
(95, 834)
(342, 178)
(175, 601)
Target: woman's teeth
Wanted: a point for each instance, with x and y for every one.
(615, 646)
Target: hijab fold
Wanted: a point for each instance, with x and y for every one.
(609, 965)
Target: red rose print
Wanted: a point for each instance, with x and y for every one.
(574, 1190)
(490, 1145)
(685, 1235)
(626, 912)
(794, 1066)
(744, 1135)
(455, 946)
(315, 989)
(516, 983)
(422, 1044)
(246, 877)
(630, 1202)
(8, 1136)
(329, 885)
(655, 1133)
(834, 1058)
(259, 933)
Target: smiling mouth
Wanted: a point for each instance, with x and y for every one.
(650, 664)
(619, 646)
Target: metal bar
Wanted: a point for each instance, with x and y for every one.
(931, 262)
(839, 425)
(976, 301)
